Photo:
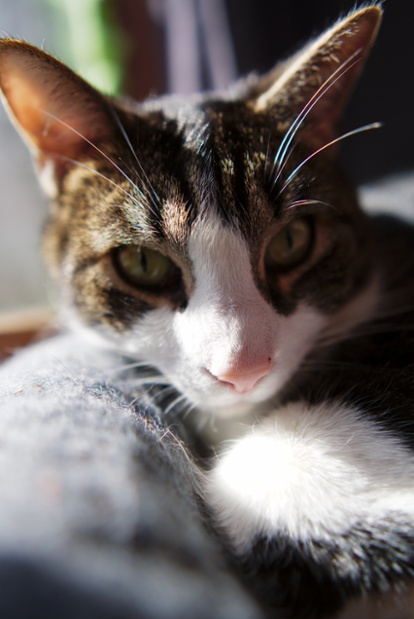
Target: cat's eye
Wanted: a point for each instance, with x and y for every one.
(291, 245)
(144, 267)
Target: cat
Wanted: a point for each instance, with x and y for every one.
(215, 239)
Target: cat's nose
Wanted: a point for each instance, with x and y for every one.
(243, 381)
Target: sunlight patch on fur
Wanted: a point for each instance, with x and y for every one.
(309, 473)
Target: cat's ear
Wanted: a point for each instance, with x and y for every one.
(318, 80)
(58, 114)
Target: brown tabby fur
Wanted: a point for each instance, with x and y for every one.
(214, 153)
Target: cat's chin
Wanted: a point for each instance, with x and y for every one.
(228, 422)
(227, 404)
(241, 410)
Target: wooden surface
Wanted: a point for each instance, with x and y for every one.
(20, 328)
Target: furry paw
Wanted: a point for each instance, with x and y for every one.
(309, 473)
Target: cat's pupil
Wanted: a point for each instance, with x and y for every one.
(289, 238)
(291, 245)
(145, 267)
(144, 262)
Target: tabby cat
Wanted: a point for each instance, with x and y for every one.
(215, 239)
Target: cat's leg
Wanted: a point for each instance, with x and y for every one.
(318, 504)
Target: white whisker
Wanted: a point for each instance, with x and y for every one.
(100, 151)
(174, 404)
(310, 202)
(283, 165)
(154, 196)
(348, 64)
(292, 175)
(167, 389)
(139, 365)
(106, 178)
(190, 408)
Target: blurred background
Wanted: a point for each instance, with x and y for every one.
(141, 47)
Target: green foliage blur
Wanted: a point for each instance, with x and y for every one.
(90, 40)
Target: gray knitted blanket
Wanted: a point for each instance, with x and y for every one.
(99, 514)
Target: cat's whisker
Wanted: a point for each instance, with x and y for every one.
(153, 194)
(140, 379)
(138, 365)
(153, 381)
(114, 205)
(186, 407)
(343, 68)
(148, 387)
(190, 408)
(344, 136)
(165, 391)
(283, 165)
(162, 391)
(287, 146)
(174, 404)
(98, 150)
(83, 165)
(310, 202)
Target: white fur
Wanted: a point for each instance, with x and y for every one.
(226, 320)
(309, 472)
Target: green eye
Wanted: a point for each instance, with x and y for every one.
(291, 245)
(145, 267)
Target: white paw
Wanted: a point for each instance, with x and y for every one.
(309, 472)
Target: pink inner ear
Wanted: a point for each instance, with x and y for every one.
(56, 112)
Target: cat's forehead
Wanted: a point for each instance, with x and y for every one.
(204, 123)
(207, 154)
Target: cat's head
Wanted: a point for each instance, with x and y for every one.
(214, 237)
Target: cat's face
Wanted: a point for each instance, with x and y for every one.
(206, 238)
(196, 265)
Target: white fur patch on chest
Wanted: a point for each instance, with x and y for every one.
(309, 472)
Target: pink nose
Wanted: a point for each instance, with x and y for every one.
(245, 380)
